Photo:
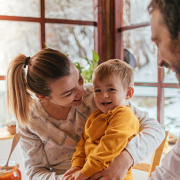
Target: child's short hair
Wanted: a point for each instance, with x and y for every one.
(118, 67)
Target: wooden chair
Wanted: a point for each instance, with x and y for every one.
(155, 160)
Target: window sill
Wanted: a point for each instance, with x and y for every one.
(4, 134)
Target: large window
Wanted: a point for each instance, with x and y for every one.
(155, 88)
(28, 26)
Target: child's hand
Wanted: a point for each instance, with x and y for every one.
(79, 176)
(70, 171)
(74, 174)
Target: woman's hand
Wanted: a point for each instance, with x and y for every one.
(117, 169)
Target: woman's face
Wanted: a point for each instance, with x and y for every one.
(68, 91)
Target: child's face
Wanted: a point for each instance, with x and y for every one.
(109, 93)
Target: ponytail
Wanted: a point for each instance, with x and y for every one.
(19, 99)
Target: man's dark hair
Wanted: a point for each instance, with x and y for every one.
(170, 10)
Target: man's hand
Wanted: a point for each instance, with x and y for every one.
(117, 169)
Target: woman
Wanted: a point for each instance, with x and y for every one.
(51, 124)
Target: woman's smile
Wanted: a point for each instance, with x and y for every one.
(78, 99)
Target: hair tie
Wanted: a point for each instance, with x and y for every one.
(26, 61)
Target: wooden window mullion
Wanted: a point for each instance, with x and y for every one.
(118, 36)
(101, 30)
(2, 77)
(42, 22)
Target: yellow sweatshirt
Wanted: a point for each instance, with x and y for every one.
(104, 137)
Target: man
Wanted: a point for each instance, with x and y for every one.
(165, 27)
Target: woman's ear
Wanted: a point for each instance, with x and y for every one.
(130, 93)
(43, 98)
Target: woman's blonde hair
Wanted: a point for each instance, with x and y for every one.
(118, 67)
(43, 68)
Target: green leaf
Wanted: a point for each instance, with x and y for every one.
(95, 57)
(87, 74)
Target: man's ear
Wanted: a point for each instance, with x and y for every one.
(130, 93)
(43, 98)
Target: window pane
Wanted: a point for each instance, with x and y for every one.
(171, 110)
(17, 37)
(135, 11)
(138, 43)
(145, 98)
(76, 41)
(71, 9)
(24, 8)
(170, 76)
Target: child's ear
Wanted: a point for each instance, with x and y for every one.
(43, 98)
(130, 93)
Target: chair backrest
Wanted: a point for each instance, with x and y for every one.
(155, 160)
